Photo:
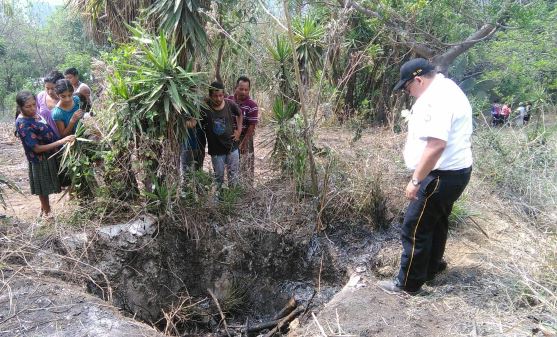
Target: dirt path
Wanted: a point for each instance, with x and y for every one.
(13, 165)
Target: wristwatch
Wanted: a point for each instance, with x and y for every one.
(415, 182)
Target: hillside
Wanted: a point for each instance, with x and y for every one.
(501, 257)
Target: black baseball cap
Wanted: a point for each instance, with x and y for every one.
(413, 68)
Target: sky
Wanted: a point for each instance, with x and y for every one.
(53, 2)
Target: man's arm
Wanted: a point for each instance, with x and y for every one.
(249, 134)
(250, 130)
(239, 120)
(432, 152)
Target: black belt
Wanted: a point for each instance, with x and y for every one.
(441, 173)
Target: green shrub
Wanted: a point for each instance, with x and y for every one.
(519, 163)
(229, 199)
(460, 214)
(160, 197)
(77, 163)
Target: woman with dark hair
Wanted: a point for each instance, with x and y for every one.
(47, 99)
(40, 143)
(67, 112)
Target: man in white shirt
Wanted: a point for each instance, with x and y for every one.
(438, 152)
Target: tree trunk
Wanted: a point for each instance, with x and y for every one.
(349, 102)
(220, 53)
(444, 60)
(422, 49)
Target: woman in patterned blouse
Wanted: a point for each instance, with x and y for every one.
(40, 143)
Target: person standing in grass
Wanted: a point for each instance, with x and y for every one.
(521, 110)
(250, 115)
(528, 108)
(505, 112)
(47, 99)
(67, 113)
(40, 142)
(438, 153)
(192, 153)
(222, 136)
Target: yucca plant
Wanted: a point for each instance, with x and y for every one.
(167, 93)
(281, 53)
(77, 161)
(182, 20)
(290, 151)
(282, 112)
(154, 98)
(309, 45)
(105, 20)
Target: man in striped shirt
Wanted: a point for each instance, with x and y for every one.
(250, 113)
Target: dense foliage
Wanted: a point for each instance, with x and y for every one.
(348, 54)
(33, 45)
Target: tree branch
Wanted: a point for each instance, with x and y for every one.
(444, 59)
(484, 33)
(419, 48)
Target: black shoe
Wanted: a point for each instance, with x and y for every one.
(441, 267)
(392, 287)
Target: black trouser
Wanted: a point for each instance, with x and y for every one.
(426, 224)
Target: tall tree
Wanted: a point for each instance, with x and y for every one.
(180, 19)
(422, 26)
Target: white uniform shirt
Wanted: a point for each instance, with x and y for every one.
(443, 112)
(521, 111)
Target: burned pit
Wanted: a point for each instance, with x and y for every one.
(161, 275)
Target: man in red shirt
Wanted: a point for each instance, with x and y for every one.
(250, 114)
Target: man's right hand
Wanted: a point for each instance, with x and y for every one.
(411, 191)
(190, 123)
(244, 146)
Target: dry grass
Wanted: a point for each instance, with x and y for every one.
(503, 285)
(364, 185)
(47, 255)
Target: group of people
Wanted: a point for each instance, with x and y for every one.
(46, 121)
(500, 113)
(437, 153)
(227, 128)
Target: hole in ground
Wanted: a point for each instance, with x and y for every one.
(166, 280)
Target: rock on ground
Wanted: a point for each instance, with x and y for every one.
(41, 306)
(361, 308)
